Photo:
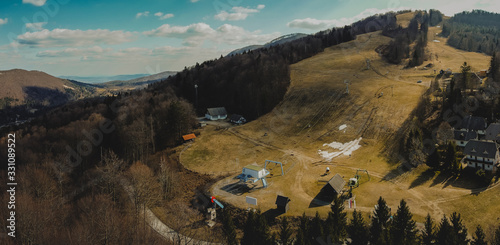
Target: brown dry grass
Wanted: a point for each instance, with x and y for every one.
(309, 116)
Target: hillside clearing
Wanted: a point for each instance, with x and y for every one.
(313, 113)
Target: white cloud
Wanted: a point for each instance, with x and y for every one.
(238, 13)
(3, 21)
(166, 30)
(68, 52)
(310, 23)
(315, 24)
(450, 8)
(163, 16)
(170, 50)
(35, 2)
(140, 14)
(73, 38)
(36, 26)
(196, 34)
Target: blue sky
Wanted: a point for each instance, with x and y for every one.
(112, 37)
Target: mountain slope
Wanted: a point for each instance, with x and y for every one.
(316, 111)
(276, 41)
(35, 87)
(103, 79)
(139, 82)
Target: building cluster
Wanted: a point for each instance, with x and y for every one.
(479, 142)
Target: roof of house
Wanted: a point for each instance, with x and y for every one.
(464, 135)
(253, 167)
(235, 117)
(217, 111)
(493, 132)
(473, 123)
(337, 183)
(189, 136)
(481, 148)
(282, 200)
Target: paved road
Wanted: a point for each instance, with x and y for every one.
(156, 224)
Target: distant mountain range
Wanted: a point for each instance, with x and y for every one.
(277, 41)
(138, 82)
(103, 79)
(35, 87)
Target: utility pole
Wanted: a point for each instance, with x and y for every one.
(196, 96)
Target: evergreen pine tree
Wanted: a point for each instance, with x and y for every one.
(479, 237)
(494, 66)
(404, 229)
(433, 159)
(316, 227)
(444, 232)
(466, 81)
(380, 223)
(450, 161)
(303, 237)
(256, 230)
(285, 232)
(228, 228)
(458, 230)
(337, 221)
(357, 230)
(428, 236)
(496, 239)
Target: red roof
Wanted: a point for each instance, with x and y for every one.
(189, 136)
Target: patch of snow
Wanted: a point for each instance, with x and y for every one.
(436, 41)
(345, 149)
(342, 127)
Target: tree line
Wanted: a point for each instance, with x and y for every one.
(476, 31)
(399, 47)
(384, 227)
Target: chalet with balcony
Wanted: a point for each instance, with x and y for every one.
(482, 155)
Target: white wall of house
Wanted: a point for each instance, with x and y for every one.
(488, 167)
(213, 118)
(471, 164)
(254, 173)
(461, 143)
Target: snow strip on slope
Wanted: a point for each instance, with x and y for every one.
(346, 149)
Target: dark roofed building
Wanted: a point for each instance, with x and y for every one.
(462, 137)
(471, 123)
(482, 155)
(336, 183)
(217, 113)
(282, 203)
(493, 132)
(237, 119)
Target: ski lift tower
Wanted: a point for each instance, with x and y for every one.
(354, 182)
(346, 86)
(196, 95)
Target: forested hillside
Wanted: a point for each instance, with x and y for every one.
(477, 31)
(399, 48)
(252, 83)
(76, 156)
